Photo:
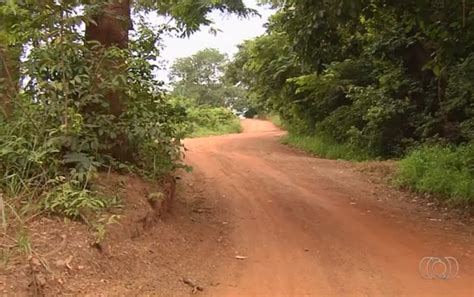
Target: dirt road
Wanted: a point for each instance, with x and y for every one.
(302, 226)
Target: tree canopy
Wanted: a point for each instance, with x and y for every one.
(380, 75)
(77, 101)
(200, 78)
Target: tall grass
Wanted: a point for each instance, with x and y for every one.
(325, 147)
(447, 171)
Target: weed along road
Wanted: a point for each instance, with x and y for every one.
(296, 225)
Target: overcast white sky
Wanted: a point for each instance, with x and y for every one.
(234, 32)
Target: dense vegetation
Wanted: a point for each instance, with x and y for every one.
(349, 79)
(379, 77)
(204, 120)
(441, 170)
(78, 96)
(206, 97)
(208, 121)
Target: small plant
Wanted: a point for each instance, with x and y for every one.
(100, 227)
(23, 241)
(5, 257)
(67, 200)
(59, 131)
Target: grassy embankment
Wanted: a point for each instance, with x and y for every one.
(445, 172)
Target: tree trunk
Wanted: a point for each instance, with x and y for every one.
(111, 29)
(111, 25)
(9, 77)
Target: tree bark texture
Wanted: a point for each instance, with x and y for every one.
(110, 28)
(9, 77)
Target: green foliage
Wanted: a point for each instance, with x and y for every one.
(230, 127)
(190, 15)
(62, 130)
(202, 68)
(200, 121)
(200, 79)
(70, 107)
(364, 79)
(38, 173)
(378, 75)
(276, 120)
(458, 105)
(67, 200)
(325, 147)
(447, 171)
(100, 227)
(28, 159)
(262, 67)
(205, 96)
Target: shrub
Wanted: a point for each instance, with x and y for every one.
(61, 130)
(447, 171)
(199, 120)
(37, 172)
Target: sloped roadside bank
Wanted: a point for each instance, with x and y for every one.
(437, 176)
(443, 175)
(148, 250)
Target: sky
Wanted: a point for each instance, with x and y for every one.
(234, 31)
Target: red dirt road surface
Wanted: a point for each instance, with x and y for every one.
(295, 225)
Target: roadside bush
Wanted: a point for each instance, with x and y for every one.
(448, 171)
(378, 121)
(325, 147)
(37, 173)
(29, 158)
(201, 120)
(205, 121)
(61, 130)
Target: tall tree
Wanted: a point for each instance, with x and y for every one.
(9, 76)
(201, 78)
(379, 75)
(198, 77)
(110, 26)
(10, 52)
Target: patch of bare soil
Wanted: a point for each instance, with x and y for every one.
(152, 250)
